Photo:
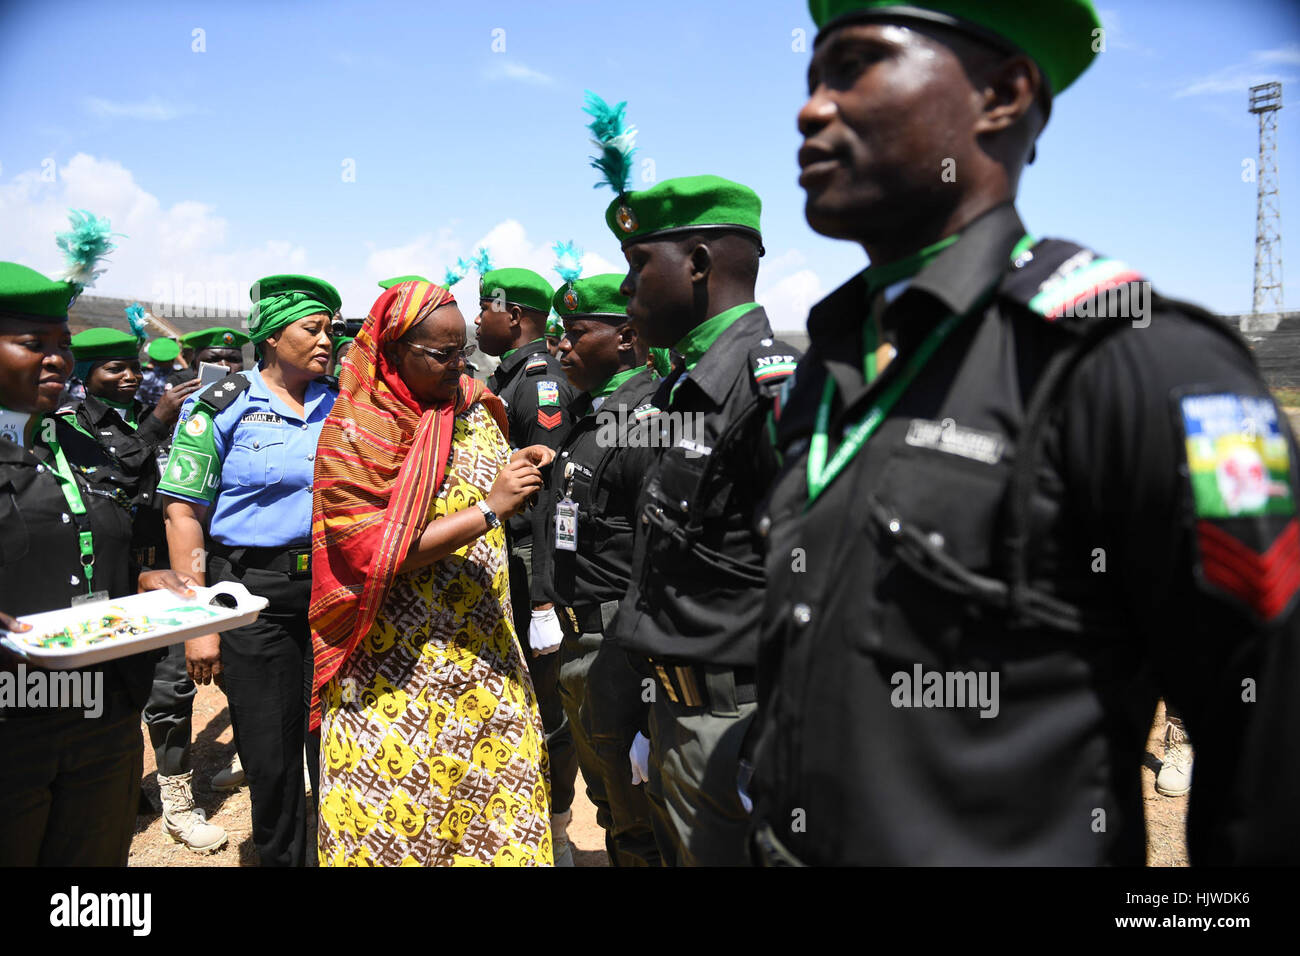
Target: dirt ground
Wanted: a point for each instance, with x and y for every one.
(213, 747)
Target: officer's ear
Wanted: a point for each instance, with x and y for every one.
(701, 262)
(1010, 90)
(516, 317)
(629, 344)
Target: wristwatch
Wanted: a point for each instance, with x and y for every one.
(492, 519)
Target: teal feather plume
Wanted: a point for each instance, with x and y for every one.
(85, 246)
(454, 273)
(135, 316)
(568, 261)
(615, 139)
(481, 261)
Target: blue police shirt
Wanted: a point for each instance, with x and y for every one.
(251, 462)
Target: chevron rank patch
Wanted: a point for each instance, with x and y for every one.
(548, 393)
(549, 420)
(1239, 465)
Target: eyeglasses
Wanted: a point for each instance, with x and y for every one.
(444, 355)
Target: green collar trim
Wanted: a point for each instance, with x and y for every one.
(698, 340)
(878, 277)
(506, 355)
(613, 383)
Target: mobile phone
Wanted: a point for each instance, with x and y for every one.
(210, 372)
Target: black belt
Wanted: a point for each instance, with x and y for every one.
(290, 560)
(688, 684)
(585, 618)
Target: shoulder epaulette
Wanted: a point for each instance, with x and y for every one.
(771, 362)
(1058, 280)
(537, 364)
(220, 394)
(69, 409)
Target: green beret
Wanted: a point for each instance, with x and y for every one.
(389, 283)
(686, 204)
(595, 297)
(218, 337)
(1060, 35)
(554, 327)
(522, 287)
(283, 300)
(26, 294)
(163, 350)
(96, 344)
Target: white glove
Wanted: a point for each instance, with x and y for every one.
(544, 634)
(639, 754)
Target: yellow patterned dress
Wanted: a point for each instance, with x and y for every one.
(432, 747)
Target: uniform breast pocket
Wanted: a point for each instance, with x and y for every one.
(678, 482)
(934, 521)
(256, 457)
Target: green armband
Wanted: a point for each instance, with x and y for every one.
(193, 468)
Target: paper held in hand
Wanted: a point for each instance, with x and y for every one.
(106, 630)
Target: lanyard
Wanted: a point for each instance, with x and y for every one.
(821, 472)
(62, 472)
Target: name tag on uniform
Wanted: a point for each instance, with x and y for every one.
(566, 525)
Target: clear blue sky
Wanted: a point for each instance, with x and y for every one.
(224, 164)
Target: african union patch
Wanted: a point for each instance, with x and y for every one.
(189, 473)
(196, 426)
(548, 393)
(1239, 460)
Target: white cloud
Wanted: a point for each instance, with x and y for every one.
(1240, 77)
(788, 300)
(154, 109)
(178, 254)
(429, 255)
(500, 68)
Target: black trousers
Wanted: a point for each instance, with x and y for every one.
(545, 672)
(169, 714)
(69, 788)
(267, 668)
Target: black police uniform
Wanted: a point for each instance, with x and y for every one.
(516, 382)
(600, 467)
(1052, 540)
(690, 617)
(69, 784)
(169, 712)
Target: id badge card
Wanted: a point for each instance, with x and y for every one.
(566, 525)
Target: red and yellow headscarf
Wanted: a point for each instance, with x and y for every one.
(382, 457)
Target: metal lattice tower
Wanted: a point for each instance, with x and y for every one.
(1265, 101)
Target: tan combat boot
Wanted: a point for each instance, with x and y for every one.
(182, 821)
(562, 849)
(1175, 777)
